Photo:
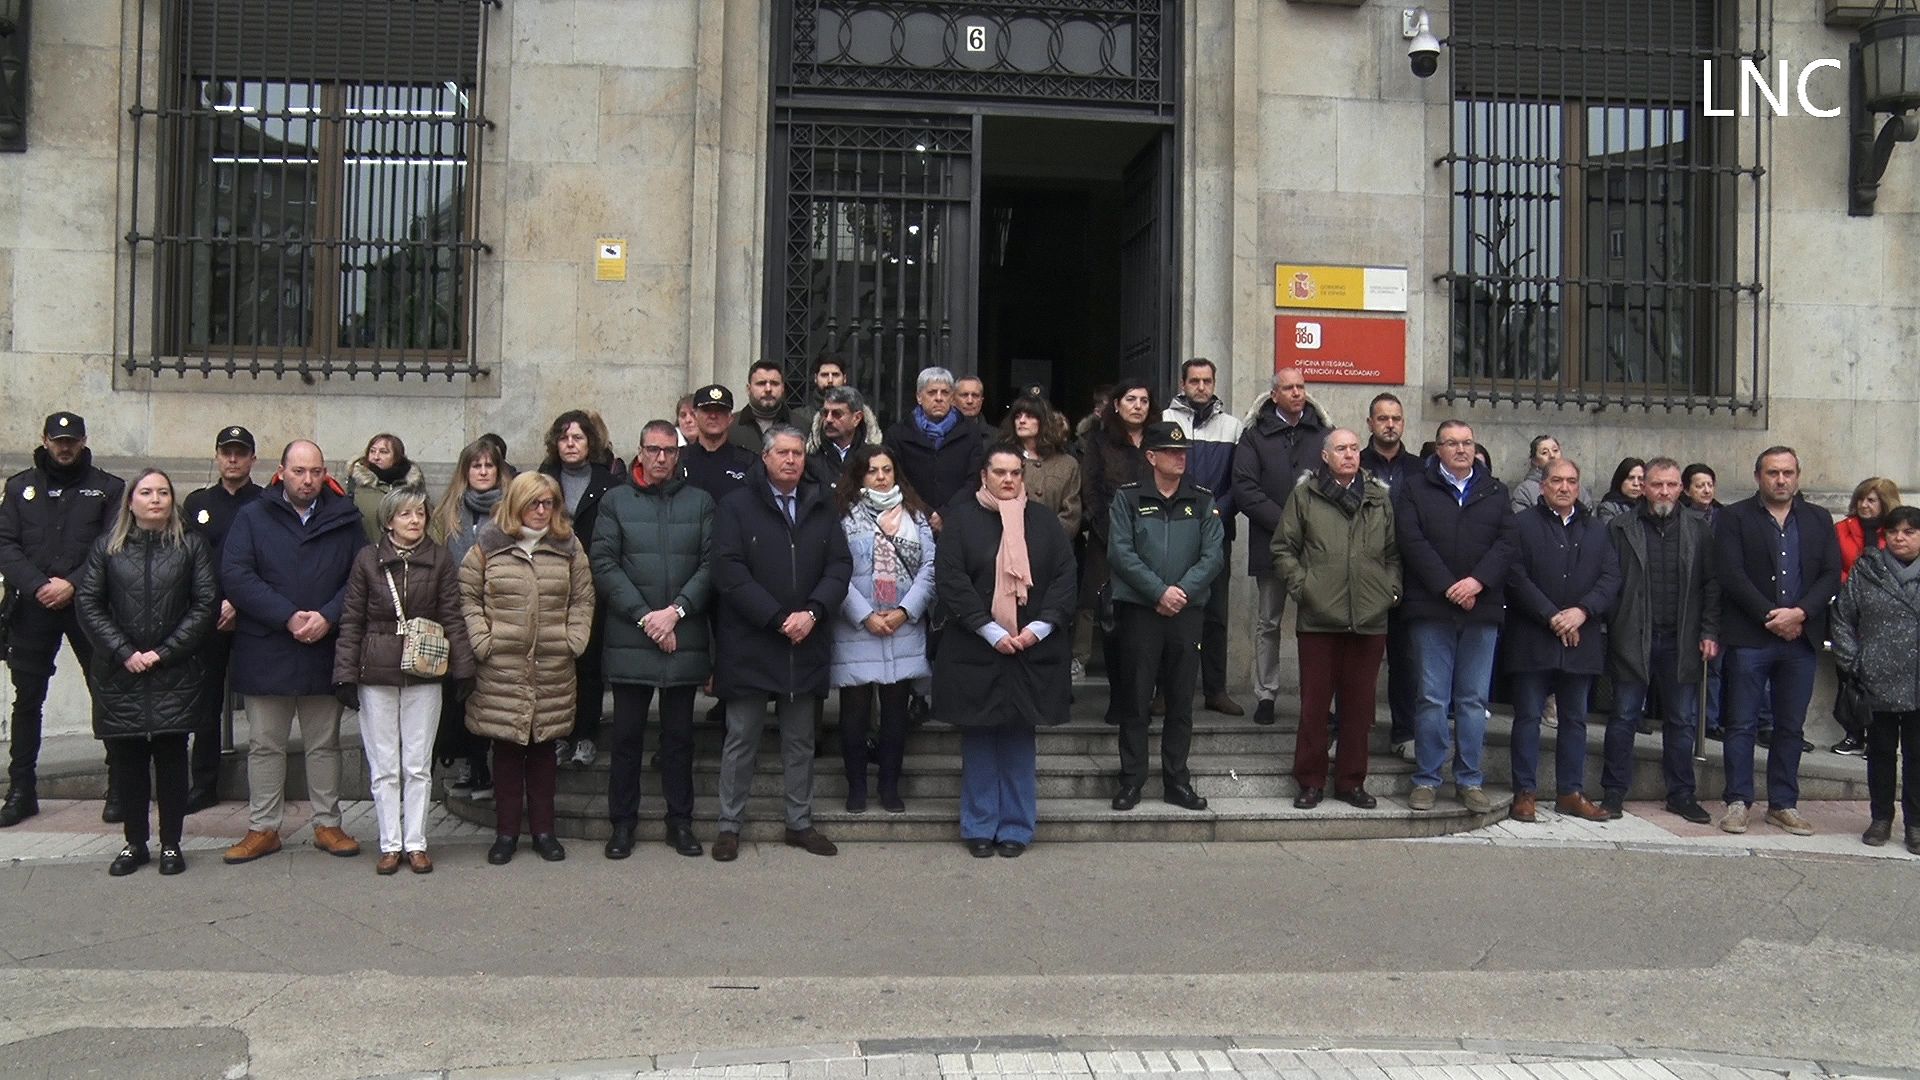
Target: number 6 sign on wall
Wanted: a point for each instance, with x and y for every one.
(976, 38)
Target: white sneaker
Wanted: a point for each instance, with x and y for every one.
(1550, 717)
(583, 752)
(482, 794)
(1076, 670)
(1403, 750)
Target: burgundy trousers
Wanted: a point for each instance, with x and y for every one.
(524, 773)
(1347, 665)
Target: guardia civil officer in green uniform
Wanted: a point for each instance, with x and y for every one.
(1166, 551)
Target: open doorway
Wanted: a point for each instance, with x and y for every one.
(1075, 264)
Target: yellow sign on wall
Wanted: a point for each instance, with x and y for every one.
(1339, 288)
(610, 260)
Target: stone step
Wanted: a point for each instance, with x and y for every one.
(1059, 820)
(1073, 776)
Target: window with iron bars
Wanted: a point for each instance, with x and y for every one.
(1596, 250)
(315, 166)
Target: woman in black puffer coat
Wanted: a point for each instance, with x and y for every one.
(147, 601)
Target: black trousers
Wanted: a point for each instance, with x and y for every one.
(1893, 745)
(1213, 634)
(1403, 676)
(1155, 650)
(36, 638)
(151, 768)
(890, 749)
(590, 704)
(630, 702)
(205, 756)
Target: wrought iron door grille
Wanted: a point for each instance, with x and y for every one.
(318, 168)
(876, 235)
(1597, 212)
(1079, 51)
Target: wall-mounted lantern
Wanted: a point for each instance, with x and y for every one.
(1884, 77)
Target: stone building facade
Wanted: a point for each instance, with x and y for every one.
(1294, 132)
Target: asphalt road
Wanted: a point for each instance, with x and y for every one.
(316, 968)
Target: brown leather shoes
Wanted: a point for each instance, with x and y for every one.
(1224, 705)
(389, 863)
(418, 862)
(258, 843)
(812, 841)
(726, 847)
(1578, 805)
(335, 842)
(1524, 805)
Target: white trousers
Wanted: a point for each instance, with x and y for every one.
(397, 725)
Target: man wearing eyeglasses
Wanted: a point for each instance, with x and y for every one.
(1451, 521)
(651, 554)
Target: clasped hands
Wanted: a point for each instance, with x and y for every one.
(660, 626)
(308, 627)
(886, 623)
(1016, 643)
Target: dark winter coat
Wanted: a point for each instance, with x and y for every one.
(273, 566)
(1109, 461)
(1876, 633)
(652, 549)
(1155, 541)
(938, 476)
(720, 472)
(974, 685)
(1556, 567)
(1745, 549)
(1443, 540)
(370, 644)
(209, 511)
(48, 525)
(600, 480)
(1630, 629)
(765, 570)
(148, 595)
(1271, 458)
(1394, 472)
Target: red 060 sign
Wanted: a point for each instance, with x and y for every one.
(1342, 348)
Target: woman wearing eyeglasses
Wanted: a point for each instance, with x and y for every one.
(527, 592)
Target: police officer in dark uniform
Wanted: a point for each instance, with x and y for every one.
(210, 512)
(712, 463)
(49, 517)
(1166, 550)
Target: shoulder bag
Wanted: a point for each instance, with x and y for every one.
(424, 652)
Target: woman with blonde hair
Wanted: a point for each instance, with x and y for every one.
(526, 589)
(480, 477)
(147, 601)
(380, 468)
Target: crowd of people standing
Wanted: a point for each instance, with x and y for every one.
(941, 568)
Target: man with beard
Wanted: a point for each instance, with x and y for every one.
(1387, 459)
(843, 423)
(766, 407)
(1664, 630)
(49, 517)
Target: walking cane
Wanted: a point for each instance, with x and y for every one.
(1700, 721)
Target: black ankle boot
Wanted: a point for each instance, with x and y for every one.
(19, 806)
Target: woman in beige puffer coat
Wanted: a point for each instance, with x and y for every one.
(526, 589)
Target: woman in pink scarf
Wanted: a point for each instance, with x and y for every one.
(1004, 575)
(880, 633)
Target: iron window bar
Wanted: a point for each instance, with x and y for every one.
(1598, 256)
(392, 91)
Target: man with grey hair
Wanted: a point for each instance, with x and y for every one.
(970, 398)
(285, 568)
(1281, 442)
(780, 569)
(1664, 630)
(843, 422)
(933, 447)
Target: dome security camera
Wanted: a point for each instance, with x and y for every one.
(1423, 49)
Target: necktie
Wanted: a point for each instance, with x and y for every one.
(786, 506)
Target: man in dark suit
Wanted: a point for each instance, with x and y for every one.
(1779, 567)
(780, 567)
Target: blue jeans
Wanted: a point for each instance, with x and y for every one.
(1680, 710)
(999, 793)
(1789, 665)
(1456, 666)
(1530, 689)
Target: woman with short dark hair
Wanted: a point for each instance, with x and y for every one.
(147, 601)
(880, 634)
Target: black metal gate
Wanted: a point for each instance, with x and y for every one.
(877, 268)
